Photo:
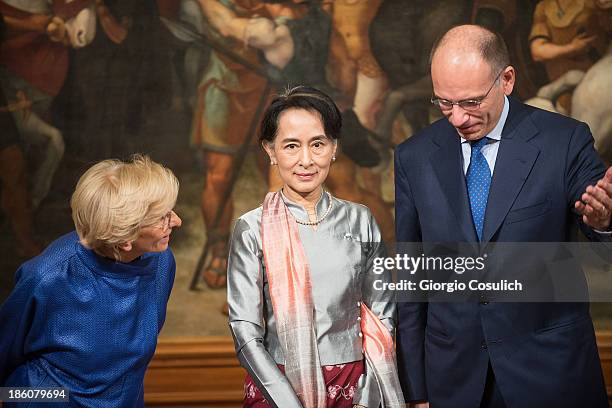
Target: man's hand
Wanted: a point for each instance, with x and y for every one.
(595, 205)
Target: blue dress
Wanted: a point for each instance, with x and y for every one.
(84, 322)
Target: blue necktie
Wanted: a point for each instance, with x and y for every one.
(478, 183)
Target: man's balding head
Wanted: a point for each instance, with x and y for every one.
(472, 42)
(470, 63)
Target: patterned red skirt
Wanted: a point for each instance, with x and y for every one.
(340, 383)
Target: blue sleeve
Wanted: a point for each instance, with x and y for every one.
(16, 316)
(171, 272)
(166, 274)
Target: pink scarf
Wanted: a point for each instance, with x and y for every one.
(290, 292)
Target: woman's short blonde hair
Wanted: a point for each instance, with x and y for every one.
(114, 199)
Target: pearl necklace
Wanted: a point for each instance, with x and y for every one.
(317, 222)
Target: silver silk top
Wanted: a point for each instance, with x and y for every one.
(340, 255)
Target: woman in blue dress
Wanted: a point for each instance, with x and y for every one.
(85, 314)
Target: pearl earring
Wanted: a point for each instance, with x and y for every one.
(333, 158)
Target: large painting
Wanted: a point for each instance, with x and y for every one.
(185, 81)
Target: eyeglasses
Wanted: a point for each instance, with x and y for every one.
(164, 223)
(466, 104)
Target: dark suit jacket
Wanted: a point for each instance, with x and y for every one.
(542, 354)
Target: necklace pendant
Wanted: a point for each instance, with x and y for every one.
(560, 13)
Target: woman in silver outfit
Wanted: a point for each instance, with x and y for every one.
(308, 325)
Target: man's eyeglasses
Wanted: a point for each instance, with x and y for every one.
(466, 104)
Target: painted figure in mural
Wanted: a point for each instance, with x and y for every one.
(567, 35)
(476, 176)
(85, 314)
(512, 19)
(120, 87)
(34, 62)
(288, 298)
(403, 51)
(590, 89)
(354, 70)
(592, 99)
(13, 183)
(228, 96)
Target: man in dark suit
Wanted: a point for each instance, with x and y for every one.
(496, 170)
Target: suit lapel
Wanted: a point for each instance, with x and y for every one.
(446, 161)
(515, 159)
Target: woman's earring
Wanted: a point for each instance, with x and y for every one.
(272, 163)
(333, 158)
